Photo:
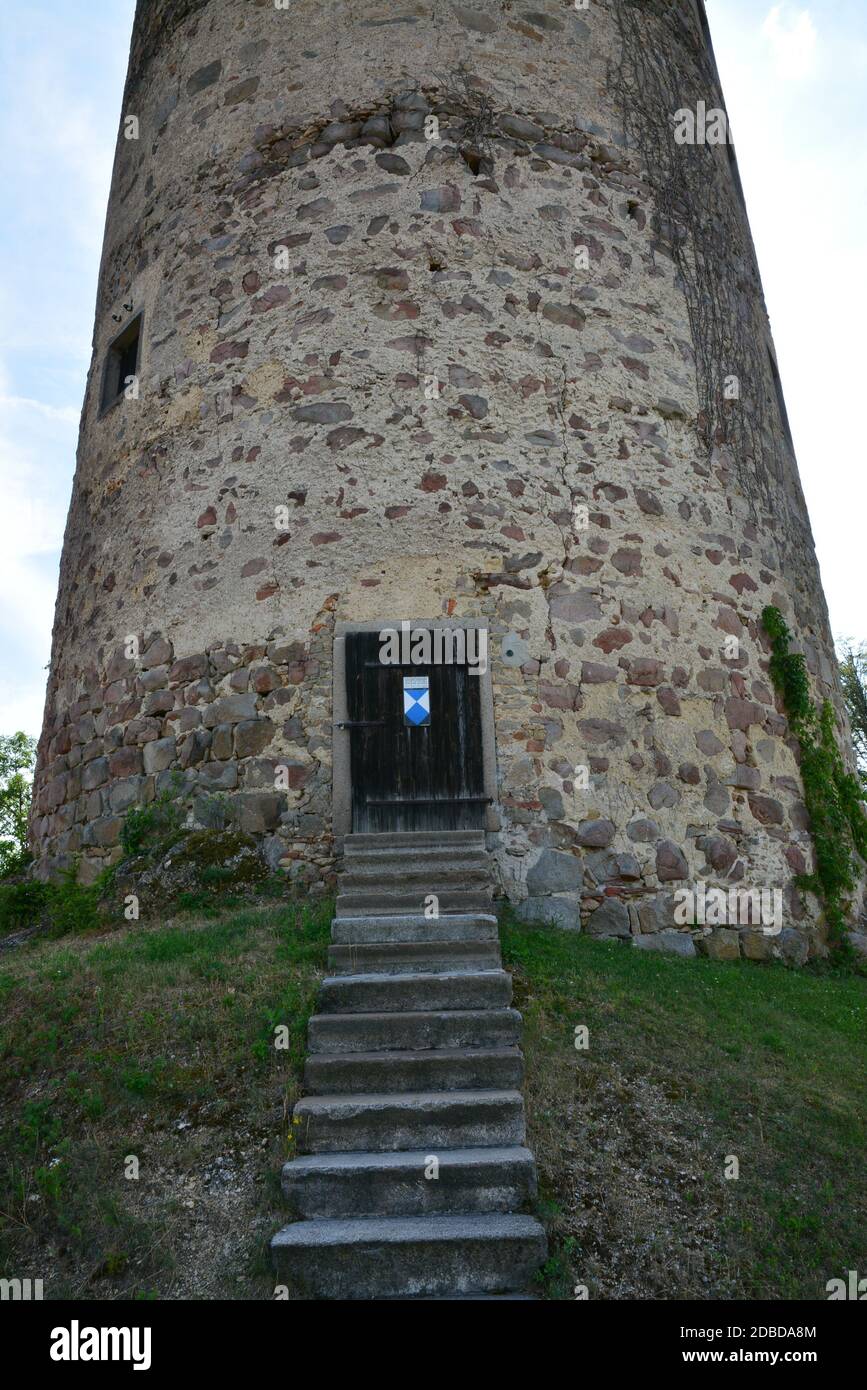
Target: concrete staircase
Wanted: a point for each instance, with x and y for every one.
(413, 1068)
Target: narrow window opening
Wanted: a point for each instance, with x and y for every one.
(121, 363)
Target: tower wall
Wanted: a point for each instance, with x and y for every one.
(301, 383)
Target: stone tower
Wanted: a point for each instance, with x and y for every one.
(431, 312)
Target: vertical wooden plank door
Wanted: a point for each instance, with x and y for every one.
(406, 776)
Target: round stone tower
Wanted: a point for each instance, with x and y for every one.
(440, 313)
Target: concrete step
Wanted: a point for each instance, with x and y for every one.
(407, 1032)
(395, 1257)
(429, 855)
(441, 1069)
(412, 1168)
(412, 957)
(476, 926)
(328, 1186)
(414, 839)
(380, 902)
(416, 878)
(379, 994)
(447, 868)
(408, 1120)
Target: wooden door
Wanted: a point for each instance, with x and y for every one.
(408, 775)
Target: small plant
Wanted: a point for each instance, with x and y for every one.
(215, 874)
(159, 821)
(115, 1263)
(557, 1275)
(832, 795)
(50, 1181)
(39, 1127)
(216, 811)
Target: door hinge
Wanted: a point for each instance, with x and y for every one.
(358, 723)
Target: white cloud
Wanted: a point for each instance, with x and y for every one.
(793, 42)
(35, 438)
(69, 414)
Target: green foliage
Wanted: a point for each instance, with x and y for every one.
(788, 669)
(66, 906)
(13, 860)
(216, 874)
(556, 1277)
(39, 1126)
(832, 794)
(853, 678)
(17, 756)
(202, 903)
(22, 904)
(156, 823)
(73, 906)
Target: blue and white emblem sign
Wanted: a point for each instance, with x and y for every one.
(416, 700)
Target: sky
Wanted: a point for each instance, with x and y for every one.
(62, 70)
(795, 80)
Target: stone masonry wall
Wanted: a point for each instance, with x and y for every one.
(297, 379)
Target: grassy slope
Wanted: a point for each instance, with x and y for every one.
(690, 1062)
(158, 1042)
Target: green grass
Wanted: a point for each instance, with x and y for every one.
(157, 1044)
(690, 1062)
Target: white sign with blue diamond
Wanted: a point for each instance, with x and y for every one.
(416, 700)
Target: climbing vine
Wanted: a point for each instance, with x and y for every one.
(832, 795)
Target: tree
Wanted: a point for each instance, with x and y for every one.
(17, 756)
(853, 677)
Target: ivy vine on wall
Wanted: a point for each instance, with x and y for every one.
(832, 795)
